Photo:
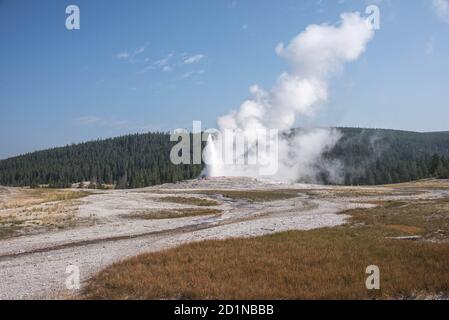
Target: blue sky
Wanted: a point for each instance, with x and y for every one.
(137, 66)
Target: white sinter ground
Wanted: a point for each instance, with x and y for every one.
(34, 265)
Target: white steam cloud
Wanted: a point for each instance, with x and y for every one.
(314, 55)
(441, 7)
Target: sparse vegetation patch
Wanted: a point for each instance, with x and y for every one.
(172, 213)
(39, 210)
(255, 195)
(190, 201)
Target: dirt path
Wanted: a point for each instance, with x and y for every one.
(33, 266)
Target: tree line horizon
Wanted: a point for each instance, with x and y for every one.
(367, 157)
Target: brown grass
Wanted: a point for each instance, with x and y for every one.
(420, 184)
(52, 195)
(190, 201)
(318, 264)
(429, 218)
(32, 197)
(409, 230)
(172, 213)
(9, 226)
(255, 195)
(39, 210)
(360, 192)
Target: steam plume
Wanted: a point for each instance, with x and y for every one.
(314, 55)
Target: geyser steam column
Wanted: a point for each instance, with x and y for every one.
(314, 55)
(213, 160)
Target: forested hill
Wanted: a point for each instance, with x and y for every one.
(367, 156)
(376, 156)
(128, 162)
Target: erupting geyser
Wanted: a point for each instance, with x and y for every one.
(314, 55)
(214, 163)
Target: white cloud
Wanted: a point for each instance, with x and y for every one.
(441, 8)
(171, 62)
(123, 55)
(164, 61)
(129, 57)
(191, 74)
(194, 59)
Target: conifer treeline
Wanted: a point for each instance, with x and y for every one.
(367, 156)
(131, 161)
(375, 156)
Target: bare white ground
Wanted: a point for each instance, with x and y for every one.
(33, 266)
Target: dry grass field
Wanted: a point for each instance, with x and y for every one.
(324, 263)
(229, 238)
(37, 210)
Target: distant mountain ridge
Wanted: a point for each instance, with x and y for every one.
(367, 156)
